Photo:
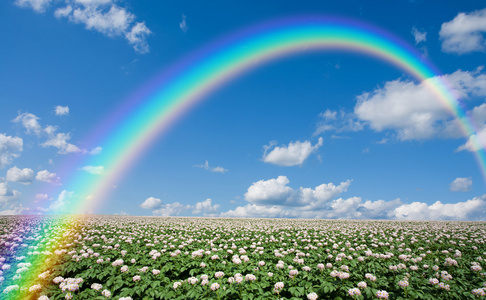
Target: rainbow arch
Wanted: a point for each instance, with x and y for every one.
(169, 96)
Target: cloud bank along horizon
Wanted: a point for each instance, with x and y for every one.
(132, 129)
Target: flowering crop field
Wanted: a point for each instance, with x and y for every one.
(100, 257)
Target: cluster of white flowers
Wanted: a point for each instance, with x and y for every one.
(382, 294)
(354, 292)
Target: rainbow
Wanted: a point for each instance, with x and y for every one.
(172, 94)
(129, 132)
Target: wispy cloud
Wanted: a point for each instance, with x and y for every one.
(420, 36)
(103, 16)
(183, 24)
(206, 166)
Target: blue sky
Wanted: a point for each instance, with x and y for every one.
(292, 138)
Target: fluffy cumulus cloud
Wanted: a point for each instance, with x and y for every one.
(292, 155)
(10, 148)
(413, 111)
(273, 198)
(464, 33)
(206, 166)
(277, 192)
(48, 177)
(24, 176)
(474, 142)
(61, 110)
(206, 207)
(30, 122)
(151, 203)
(461, 184)
(420, 36)
(350, 208)
(474, 209)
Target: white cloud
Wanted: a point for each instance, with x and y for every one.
(257, 211)
(137, 37)
(351, 208)
(291, 155)
(171, 209)
(474, 142)
(205, 166)
(62, 202)
(183, 24)
(474, 209)
(151, 203)
(122, 213)
(62, 110)
(15, 209)
(30, 122)
(112, 22)
(109, 19)
(8, 198)
(219, 170)
(277, 192)
(468, 84)
(332, 120)
(206, 207)
(270, 191)
(49, 177)
(10, 148)
(5, 190)
(413, 111)
(41, 197)
(355, 208)
(461, 184)
(419, 35)
(96, 150)
(97, 170)
(465, 33)
(63, 12)
(38, 6)
(60, 141)
(24, 176)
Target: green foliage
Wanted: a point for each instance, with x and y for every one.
(164, 251)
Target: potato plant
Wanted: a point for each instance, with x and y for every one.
(122, 257)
